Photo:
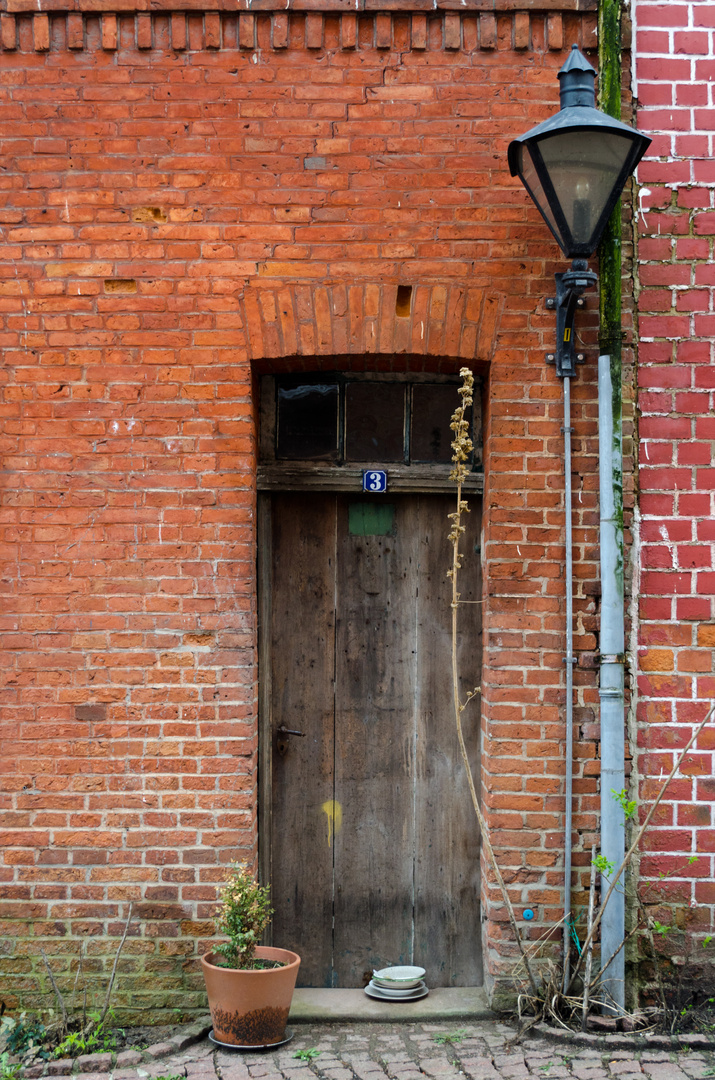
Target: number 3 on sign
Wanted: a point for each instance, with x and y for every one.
(374, 480)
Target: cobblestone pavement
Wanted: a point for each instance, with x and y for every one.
(484, 1050)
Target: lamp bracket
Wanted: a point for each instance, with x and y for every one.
(569, 288)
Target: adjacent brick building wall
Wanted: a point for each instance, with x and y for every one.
(185, 193)
(675, 68)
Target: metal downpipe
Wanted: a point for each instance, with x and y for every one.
(610, 428)
(568, 786)
(611, 692)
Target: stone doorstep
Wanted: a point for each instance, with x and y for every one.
(316, 1005)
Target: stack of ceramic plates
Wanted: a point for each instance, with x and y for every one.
(397, 984)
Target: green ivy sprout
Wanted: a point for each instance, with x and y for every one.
(603, 865)
(308, 1054)
(706, 941)
(658, 928)
(628, 806)
(77, 1043)
(8, 1071)
(450, 1036)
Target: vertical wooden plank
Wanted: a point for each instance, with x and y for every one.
(302, 644)
(267, 427)
(374, 744)
(447, 878)
(265, 682)
(477, 424)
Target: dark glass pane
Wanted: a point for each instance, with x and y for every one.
(432, 410)
(307, 420)
(374, 421)
(584, 170)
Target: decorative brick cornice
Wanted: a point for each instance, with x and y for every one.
(464, 30)
(493, 7)
(342, 319)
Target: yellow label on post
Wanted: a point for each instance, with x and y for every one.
(567, 333)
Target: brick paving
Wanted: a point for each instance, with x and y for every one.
(483, 1050)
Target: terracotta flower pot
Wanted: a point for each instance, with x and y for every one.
(250, 1008)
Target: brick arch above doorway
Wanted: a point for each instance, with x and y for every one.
(341, 319)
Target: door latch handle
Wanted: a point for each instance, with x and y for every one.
(282, 734)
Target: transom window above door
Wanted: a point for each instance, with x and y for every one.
(322, 429)
(338, 419)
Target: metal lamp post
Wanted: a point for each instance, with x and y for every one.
(574, 166)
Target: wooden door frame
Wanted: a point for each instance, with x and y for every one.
(274, 476)
(265, 716)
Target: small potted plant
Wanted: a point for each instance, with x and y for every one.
(249, 986)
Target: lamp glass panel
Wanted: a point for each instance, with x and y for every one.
(584, 167)
(530, 179)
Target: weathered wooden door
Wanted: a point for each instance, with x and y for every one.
(374, 849)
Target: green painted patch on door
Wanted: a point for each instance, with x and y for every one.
(371, 519)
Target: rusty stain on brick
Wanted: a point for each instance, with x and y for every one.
(120, 285)
(153, 214)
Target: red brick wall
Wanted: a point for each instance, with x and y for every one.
(675, 65)
(182, 194)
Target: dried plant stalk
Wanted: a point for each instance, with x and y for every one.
(462, 448)
(55, 987)
(105, 1008)
(589, 958)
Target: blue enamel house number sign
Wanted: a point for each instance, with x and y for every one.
(374, 480)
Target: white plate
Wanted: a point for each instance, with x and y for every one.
(393, 992)
(385, 984)
(414, 995)
(398, 977)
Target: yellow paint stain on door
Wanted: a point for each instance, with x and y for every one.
(334, 813)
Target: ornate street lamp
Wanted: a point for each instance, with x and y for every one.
(574, 166)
